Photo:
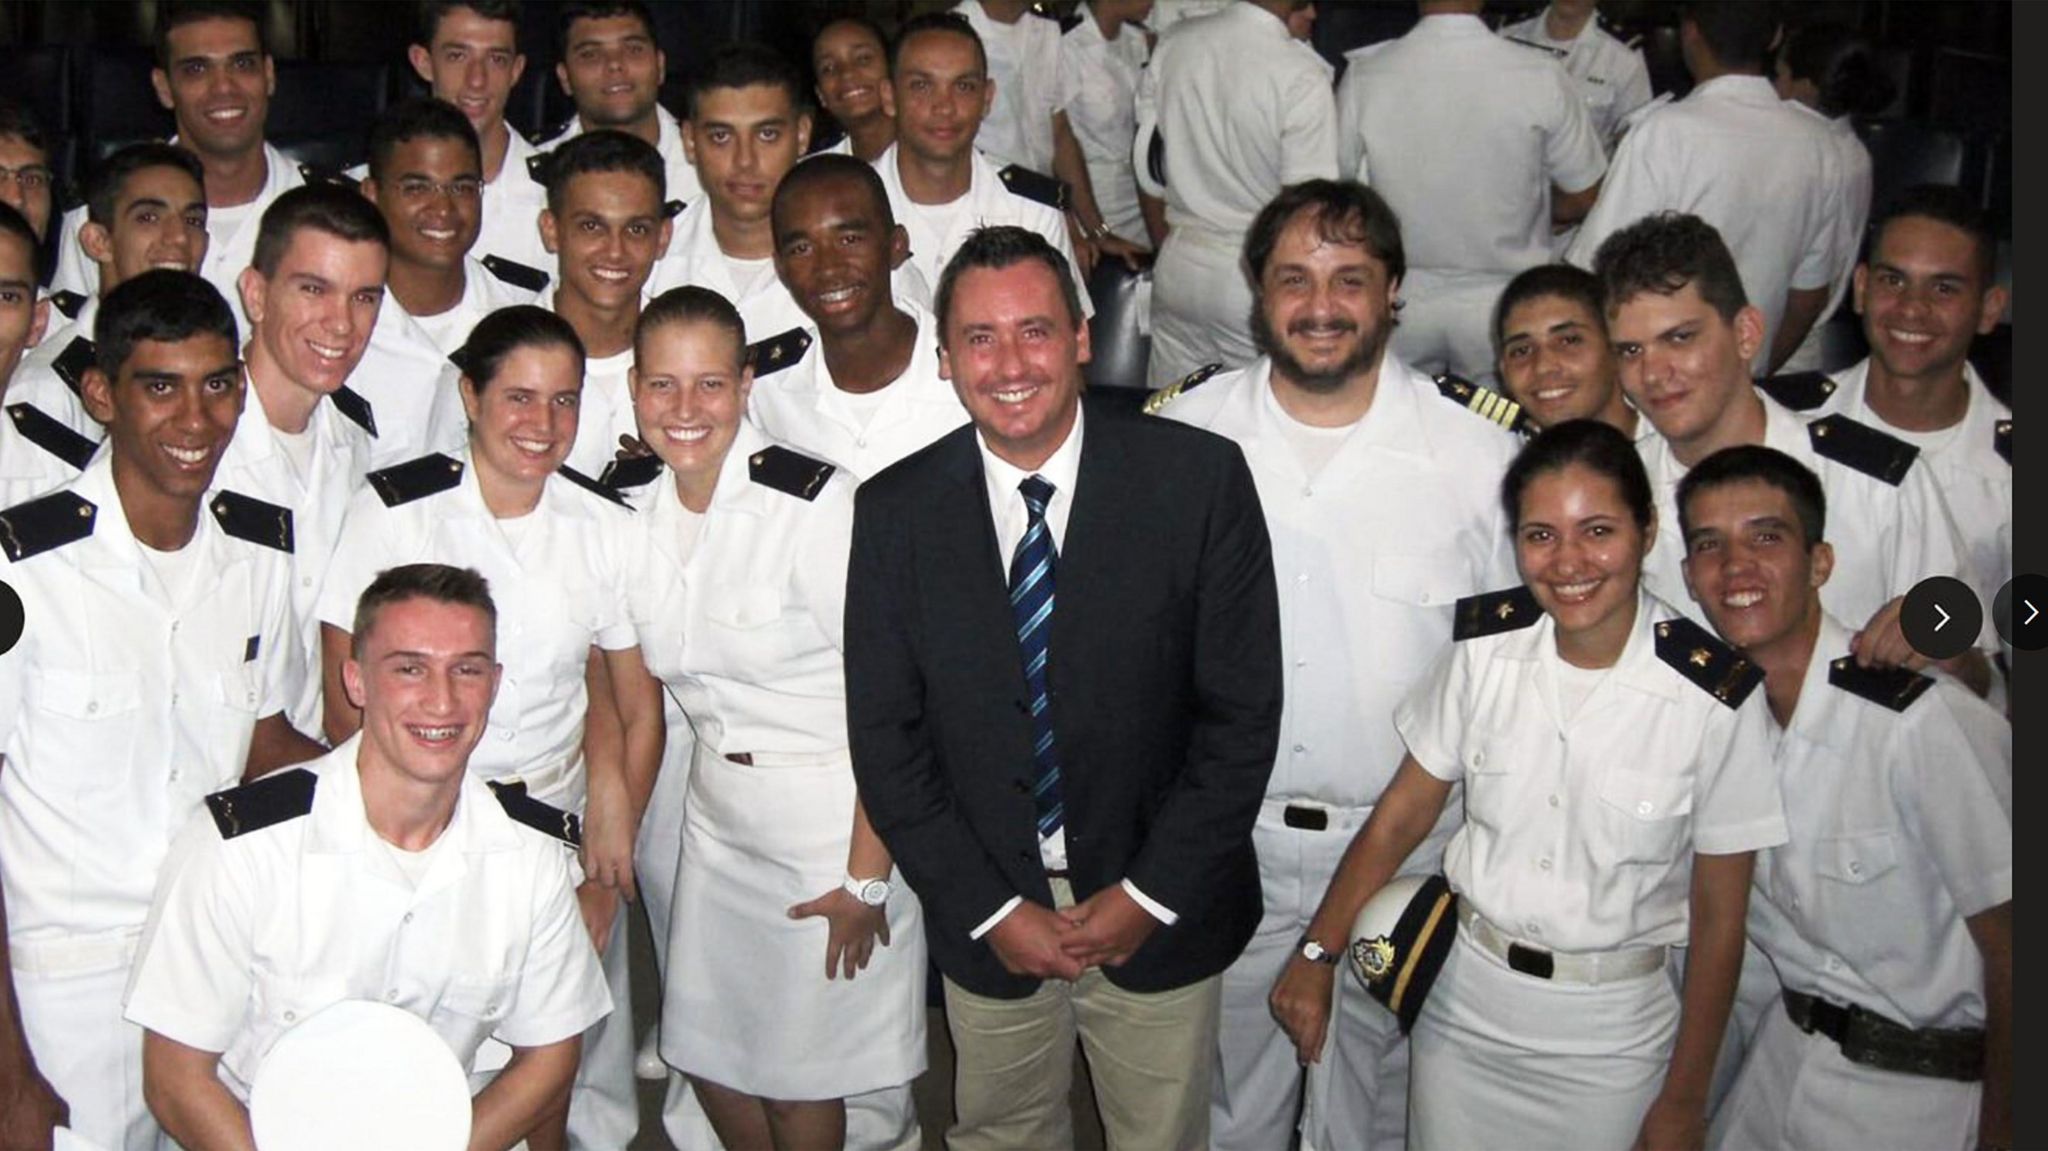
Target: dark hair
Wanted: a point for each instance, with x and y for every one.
(1944, 204)
(1592, 444)
(327, 208)
(422, 117)
(999, 246)
(604, 150)
(575, 10)
(690, 304)
(1843, 67)
(103, 190)
(13, 223)
(175, 14)
(432, 12)
(1738, 32)
(18, 121)
(1768, 466)
(164, 305)
(1347, 212)
(440, 583)
(1563, 281)
(858, 21)
(831, 167)
(935, 22)
(746, 65)
(1662, 253)
(507, 330)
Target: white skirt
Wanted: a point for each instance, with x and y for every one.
(1503, 1059)
(746, 1003)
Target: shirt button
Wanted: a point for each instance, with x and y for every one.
(1301, 663)
(1300, 748)
(291, 1017)
(1425, 597)
(1307, 490)
(92, 707)
(1478, 759)
(1554, 801)
(407, 918)
(1302, 578)
(305, 581)
(175, 776)
(391, 996)
(1534, 929)
(505, 734)
(1646, 808)
(1544, 864)
(860, 443)
(1855, 867)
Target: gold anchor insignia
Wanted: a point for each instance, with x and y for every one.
(1701, 657)
(1504, 610)
(1375, 957)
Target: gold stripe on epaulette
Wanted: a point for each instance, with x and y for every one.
(1164, 396)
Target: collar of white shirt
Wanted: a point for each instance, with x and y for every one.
(340, 823)
(1061, 469)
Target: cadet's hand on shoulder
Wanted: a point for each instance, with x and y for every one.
(1882, 642)
(854, 929)
(632, 447)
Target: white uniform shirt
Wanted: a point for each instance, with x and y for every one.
(1098, 90)
(682, 175)
(694, 257)
(1612, 77)
(1579, 832)
(800, 406)
(251, 935)
(1367, 583)
(745, 626)
(1024, 61)
(121, 708)
(988, 201)
(27, 469)
(231, 239)
(1886, 537)
(38, 381)
(257, 463)
(511, 210)
(1464, 134)
(607, 413)
(1901, 828)
(406, 375)
(1244, 108)
(1734, 155)
(1975, 480)
(1848, 215)
(558, 590)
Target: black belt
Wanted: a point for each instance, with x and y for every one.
(1870, 1039)
(1305, 818)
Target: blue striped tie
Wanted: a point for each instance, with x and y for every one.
(1031, 586)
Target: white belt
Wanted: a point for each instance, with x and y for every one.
(1586, 967)
(74, 954)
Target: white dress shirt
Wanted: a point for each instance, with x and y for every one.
(511, 210)
(1023, 61)
(694, 257)
(1848, 214)
(1098, 90)
(682, 175)
(39, 380)
(988, 201)
(1612, 77)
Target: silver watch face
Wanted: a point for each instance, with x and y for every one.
(875, 892)
(1314, 952)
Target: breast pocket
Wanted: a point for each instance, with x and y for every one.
(84, 720)
(1489, 759)
(1856, 860)
(745, 624)
(282, 1002)
(1648, 816)
(1424, 579)
(470, 1009)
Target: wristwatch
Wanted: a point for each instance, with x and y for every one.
(873, 892)
(1315, 952)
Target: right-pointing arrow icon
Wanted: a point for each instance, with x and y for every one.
(1943, 615)
(2032, 611)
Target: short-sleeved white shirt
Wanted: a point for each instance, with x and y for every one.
(1975, 480)
(1886, 537)
(681, 175)
(1464, 133)
(1735, 155)
(1367, 583)
(122, 707)
(800, 406)
(988, 201)
(1848, 215)
(694, 257)
(745, 626)
(1612, 77)
(27, 469)
(511, 210)
(1901, 827)
(1098, 90)
(558, 591)
(1579, 833)
(250, 935)
(36, 379)
(1023, 60)
(606, 408)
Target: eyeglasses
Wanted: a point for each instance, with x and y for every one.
(462, 188)
(30, 177)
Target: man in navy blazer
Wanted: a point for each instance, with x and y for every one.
(1073, 806)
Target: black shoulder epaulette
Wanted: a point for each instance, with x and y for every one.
(1068, 23)
(2001, 438)
(1048, 190)
(1485, 402)
(670, 209)
(1701, 657)
(1157, 401)
(1800, 391)
(543, 817)
(317, 174)
(71, 363)
(49, 433)
(1629, 37)
(592, 486)
(516, 274)
(45, 524)
(787, 471)
(777, 352)
(356, 407)
(631, 472)
(1862, 447)
(67, 302)
(1558, 54)
(267, 802)
(1491, 613)
(1892, 687)
(537, 164)
(248, 518)
(415, 479)
(548, 132)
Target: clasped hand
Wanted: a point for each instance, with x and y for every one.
(1102, 931)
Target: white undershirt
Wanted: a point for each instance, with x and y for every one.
(1313, 446)
(861, 407)
(750, 276)
(1575, 685)
(412, 865)
(298, 450)
(175, 571)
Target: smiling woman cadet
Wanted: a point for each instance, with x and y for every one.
(799, 958)
(1617, 785)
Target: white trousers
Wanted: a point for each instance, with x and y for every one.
(604, 1113)
(1447, 321)
(1799, 1091)
(91, 1056)
(1201, 305)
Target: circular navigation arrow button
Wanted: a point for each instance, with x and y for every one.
(1942, 617)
